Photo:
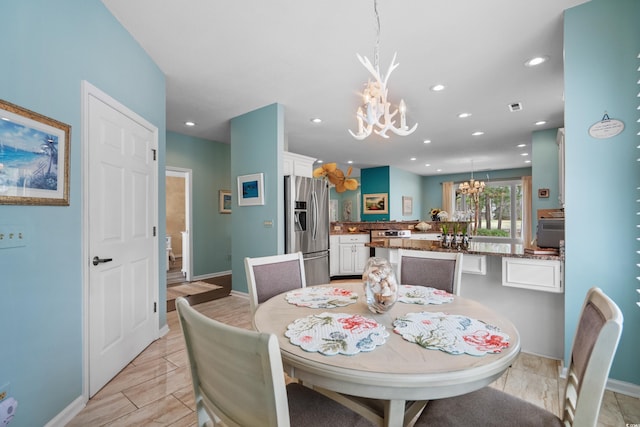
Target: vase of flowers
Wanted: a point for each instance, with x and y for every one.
(434, 214)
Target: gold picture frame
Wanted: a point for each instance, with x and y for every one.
(377, 203)
(34, 158)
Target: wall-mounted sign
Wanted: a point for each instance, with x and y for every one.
(606, 128)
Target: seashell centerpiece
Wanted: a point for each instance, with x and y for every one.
(422, 226)
(380, 285)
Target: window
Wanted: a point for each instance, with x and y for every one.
(499, 211)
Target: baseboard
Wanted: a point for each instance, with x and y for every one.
(240, 294)
(163, 331)
(210, 275)
(68, 413)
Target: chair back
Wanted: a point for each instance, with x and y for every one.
(236, 373)
(594, 347)
(271, 275)
(440, 270)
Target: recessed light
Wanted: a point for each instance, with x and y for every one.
(412, 159)
(189, 123)
(541, 122)
(427, 164)
(464, 115)
(522, 145)
(438, 170)
(350, 161)
(536, 61)
(524, 154)
(437, 88)
(527, 161)
(478, 133)
(319, 161)
(427, 141)
(316, 120)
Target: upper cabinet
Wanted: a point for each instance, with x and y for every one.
(297, 164)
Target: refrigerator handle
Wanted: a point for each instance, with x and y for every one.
(315, 257)
(314, 202)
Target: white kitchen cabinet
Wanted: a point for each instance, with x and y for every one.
(334, 255)
(534, 274)
(353, 253)
(297, 164)
(474, 264)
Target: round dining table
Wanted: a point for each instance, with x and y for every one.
(398, 373)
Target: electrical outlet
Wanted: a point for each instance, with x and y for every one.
(12, 236)
(4, 391)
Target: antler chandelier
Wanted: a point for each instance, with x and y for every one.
(375, 115)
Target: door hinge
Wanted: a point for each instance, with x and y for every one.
(155, 307)
(154, 153)
(154, 231)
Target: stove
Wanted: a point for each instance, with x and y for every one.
(381, 235)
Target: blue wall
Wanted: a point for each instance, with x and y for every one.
(210, 163)
(545, 172)
(257, 141)
(374, 181)
(403, 183)
(602, 41)
(50, 47)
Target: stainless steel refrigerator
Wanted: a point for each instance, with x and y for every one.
(307, 225)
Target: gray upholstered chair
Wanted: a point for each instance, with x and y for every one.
(237, 379)
(594, 346)
(440, 270)
(271, 275)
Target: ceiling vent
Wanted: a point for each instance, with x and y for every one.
(516, 106)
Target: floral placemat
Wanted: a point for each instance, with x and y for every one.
(423, 295)
(336, 333)
(452, 333)
(321, 297)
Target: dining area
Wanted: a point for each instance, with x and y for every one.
(418, 356)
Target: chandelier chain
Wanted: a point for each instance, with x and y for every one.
(376, 52)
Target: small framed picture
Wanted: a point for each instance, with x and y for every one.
(251, 190)
(407, 205)
(543, 193)
(224, 201)
(375, 203)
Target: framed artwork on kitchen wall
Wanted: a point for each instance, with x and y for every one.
(375, 203)
(407, 205)
(34, 158)
(224, 201)
(251, 190)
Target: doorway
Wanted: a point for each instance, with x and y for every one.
(120, 246)
(178, 244)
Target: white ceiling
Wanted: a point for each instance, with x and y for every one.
(225, 58)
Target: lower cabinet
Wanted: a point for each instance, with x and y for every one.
(538, 275)
(352, 254)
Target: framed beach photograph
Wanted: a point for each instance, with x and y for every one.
(224, 201)
(407, 205)
(375, 203)
(251, 190)
(34, 158)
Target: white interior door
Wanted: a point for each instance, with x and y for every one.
(123, 246)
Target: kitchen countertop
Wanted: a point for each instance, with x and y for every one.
(475, 248)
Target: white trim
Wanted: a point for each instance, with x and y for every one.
(65, 416)
(211, 275)
(87, 91)
(187, 174)
(240, 294)
(615, 386)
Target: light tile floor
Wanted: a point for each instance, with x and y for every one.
(155, 388)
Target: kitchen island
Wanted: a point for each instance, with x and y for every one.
(526, 288)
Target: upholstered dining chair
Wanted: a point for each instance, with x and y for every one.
(270, 275)
(594, 345)
(237, 379)
(440, 270)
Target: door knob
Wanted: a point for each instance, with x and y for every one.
(97, 260)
